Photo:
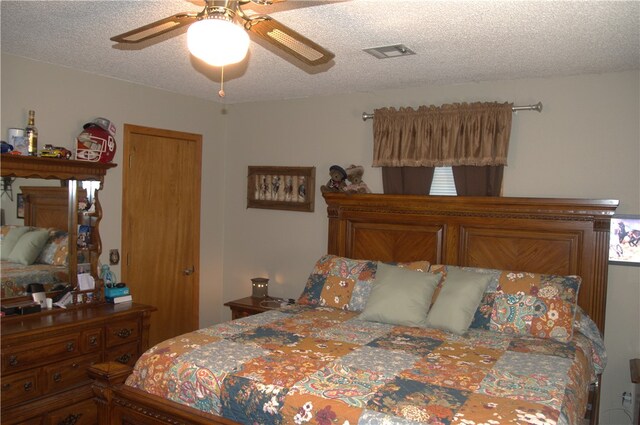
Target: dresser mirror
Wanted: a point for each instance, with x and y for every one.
(59, 200)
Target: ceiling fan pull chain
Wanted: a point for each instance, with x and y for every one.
(221, 92)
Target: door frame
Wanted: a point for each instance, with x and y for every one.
(126, 157)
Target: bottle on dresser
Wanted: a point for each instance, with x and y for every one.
(31, 134)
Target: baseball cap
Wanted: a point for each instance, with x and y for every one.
(104, 124)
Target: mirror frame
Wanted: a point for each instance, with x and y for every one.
(73, 171)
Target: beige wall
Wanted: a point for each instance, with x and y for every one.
(586, 143)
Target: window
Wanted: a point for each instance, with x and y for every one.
(442, 183)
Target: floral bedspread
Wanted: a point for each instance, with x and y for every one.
(16, 277)
(302, 365)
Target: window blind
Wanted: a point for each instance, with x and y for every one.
(443, 183)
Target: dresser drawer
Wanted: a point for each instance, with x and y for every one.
(33, 421)
(68, 373)
(20, 387)
(91, 340)
(83, 413)
(122, 332)
(40, 352)
(125, 354)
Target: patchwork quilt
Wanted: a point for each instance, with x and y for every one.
(319, 365)
(16, 277)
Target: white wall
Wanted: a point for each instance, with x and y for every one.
(585, 144)
(65, 99)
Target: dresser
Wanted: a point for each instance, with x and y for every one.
(45, 357)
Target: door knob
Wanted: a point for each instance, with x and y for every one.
(189, 271)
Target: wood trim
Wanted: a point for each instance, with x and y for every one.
(52, 168)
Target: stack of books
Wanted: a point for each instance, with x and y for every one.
(120, 299)
(117, 294)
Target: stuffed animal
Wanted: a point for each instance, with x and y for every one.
(337, 181)
(354, 176)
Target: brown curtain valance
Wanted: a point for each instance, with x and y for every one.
(431, 136)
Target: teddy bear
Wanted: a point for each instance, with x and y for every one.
(354, 176)
(337, 179)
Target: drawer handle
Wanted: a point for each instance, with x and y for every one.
(124, 359)
(71, 346)
(57, 377)
(6, 386)
(70, 420)
(28, 386)
(93, 340)
(13, 361)
(124, 333)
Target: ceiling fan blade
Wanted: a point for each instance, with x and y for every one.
(156, 28)
(289, 40)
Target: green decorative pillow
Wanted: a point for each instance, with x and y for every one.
(29, 246)
(10, 239)
(400, 296)
(458, 301)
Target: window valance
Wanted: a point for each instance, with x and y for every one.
(454, 134)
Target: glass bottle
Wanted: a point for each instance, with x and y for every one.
(31, 134)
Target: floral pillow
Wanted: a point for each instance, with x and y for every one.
(536, 304)
(345, 283)
(56, 251)
(524, 303)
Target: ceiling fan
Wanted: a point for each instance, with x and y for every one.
(231, 16)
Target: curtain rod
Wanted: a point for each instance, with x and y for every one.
(536, 107)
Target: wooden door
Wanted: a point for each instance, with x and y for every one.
(161, 226)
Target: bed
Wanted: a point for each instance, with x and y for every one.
(319, 362)
(45, 210)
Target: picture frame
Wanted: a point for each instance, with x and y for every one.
(20, 206)
(624, 242)
(281, 188)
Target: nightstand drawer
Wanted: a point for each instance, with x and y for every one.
(249, 306)
(37, 353)
(122, 332)
(68, 373)
(21, 386)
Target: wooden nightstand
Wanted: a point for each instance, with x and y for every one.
(249, 306)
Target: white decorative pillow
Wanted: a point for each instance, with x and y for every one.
(458, 301)
(400, 296)
(29, 247)
(11, 238)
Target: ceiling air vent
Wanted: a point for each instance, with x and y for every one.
(394, 51)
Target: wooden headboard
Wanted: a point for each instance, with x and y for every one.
(46, 206)
(554, 236)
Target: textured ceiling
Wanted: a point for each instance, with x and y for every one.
(454, 41)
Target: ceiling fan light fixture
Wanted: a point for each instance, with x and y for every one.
(217, 40)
